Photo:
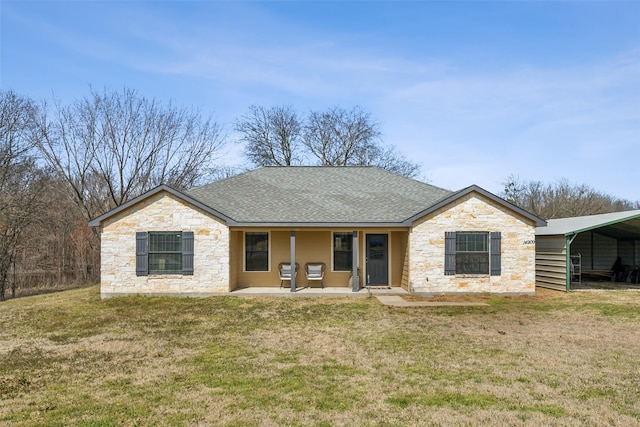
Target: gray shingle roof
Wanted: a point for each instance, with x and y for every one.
(308, 194)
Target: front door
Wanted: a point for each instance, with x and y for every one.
(377, 260)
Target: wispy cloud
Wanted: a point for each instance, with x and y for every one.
(540, 121)
(467, 119)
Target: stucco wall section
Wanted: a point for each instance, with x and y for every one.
(472, 212)
(164, 212)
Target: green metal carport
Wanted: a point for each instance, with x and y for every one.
(569, 248)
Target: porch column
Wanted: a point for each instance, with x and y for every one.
(293, 261)
(355, 280)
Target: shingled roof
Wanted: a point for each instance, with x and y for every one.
(309, 196)
(318, 195)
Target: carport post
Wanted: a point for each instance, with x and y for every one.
(567, 250)
(293, 261)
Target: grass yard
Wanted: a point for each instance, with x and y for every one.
(555, 359)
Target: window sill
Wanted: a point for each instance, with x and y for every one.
(165, 274)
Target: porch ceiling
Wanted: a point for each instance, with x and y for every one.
(624, 230)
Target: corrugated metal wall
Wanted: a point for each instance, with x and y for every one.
(582, 245)
(626, 251)
(598, 252)
(605, 252)
(551, 262)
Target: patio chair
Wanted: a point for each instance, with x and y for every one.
(285, 271)
(314, 271)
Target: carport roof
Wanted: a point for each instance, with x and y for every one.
(617, 224)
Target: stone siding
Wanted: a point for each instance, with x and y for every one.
(163, 212)
(472, 212)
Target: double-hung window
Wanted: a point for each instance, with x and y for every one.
(256, 246)
(472, 252)
(164, 252)
(342, 251)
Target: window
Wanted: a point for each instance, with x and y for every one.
(164, 252)
(475, 252)
(472, 253)
(257, 251)
(342, 251)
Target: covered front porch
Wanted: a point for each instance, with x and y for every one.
(374, 257)
(317, 292)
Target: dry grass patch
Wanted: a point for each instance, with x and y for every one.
(552, 359)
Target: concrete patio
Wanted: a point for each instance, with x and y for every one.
(316, 292)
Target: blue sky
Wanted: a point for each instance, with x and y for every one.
(474, 91)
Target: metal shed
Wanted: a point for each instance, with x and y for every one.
(603, 246)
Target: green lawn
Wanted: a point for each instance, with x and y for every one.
(556, 359)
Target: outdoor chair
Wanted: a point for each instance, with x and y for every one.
(285, 271)
(314, 271)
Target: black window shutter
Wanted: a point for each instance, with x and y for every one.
(187, 252)
(450, 253)
(142, 268)
(496, 250)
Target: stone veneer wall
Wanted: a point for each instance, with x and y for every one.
(473, 212)
(163, 212)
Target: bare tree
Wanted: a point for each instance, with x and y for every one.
(340, 137)
(22, 205)
(102, 150)
(60, 249)
(387, 157)
(113, 146)
(224, 172)
(561, 199)
(271, 135)
(20, 181)
(16, 115)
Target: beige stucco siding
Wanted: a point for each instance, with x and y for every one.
(472, 212)
(311, 246)
(315, 245)
(163, 212)
(398, 249)
(236, 255)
